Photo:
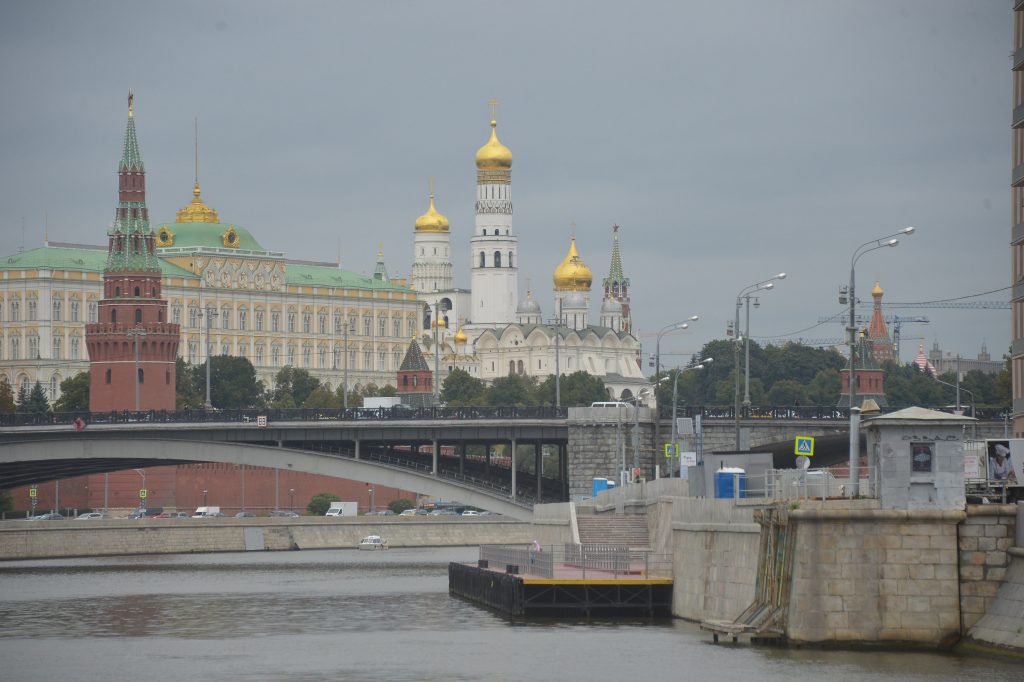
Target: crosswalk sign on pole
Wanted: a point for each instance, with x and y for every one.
(804, 446)
(670, 450)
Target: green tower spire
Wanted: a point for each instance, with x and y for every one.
(131, 239)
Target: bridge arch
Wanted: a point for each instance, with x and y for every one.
(63, 457)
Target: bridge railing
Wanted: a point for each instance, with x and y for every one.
(399, 413)
(796, 412)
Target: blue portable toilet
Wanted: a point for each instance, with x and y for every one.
(726, 478)
(599, 485)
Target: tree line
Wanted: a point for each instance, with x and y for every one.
(787, 374)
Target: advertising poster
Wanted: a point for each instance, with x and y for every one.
(1005, 460)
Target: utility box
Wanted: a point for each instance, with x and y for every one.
(917, 457)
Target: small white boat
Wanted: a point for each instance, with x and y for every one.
(373, 542)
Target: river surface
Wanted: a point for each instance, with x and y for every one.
(344, 615)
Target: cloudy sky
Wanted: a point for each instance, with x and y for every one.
(730, 140)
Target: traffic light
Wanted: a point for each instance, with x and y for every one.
(636, 475)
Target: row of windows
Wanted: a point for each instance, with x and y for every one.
(32, 311)
(496, 261)
(14, 345)
(25, 385)
(224, 319)
(280, 356)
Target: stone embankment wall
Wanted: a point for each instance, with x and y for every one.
(999, 574)
(595, 434)
(985, 537)
(871, 576)
(52, 539)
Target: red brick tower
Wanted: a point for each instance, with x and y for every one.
(132, 347)
(415, 380)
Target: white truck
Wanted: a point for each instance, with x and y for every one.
(205, 512)
(377, 403)
(342, 509)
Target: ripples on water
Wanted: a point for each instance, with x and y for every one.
(349, 615)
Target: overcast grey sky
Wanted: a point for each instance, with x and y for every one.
(730, 140)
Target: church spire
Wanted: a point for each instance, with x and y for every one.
(616, 284)
(130, 156)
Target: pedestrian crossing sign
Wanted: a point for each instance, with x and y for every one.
(804, 446)
(670, 450)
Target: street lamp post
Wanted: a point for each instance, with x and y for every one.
(744, 296)
(664, 330)
(291, 498)
(204, 498)
(675, 400)
(209, 312)
(344, 380)
(851, 341)
(135, 333)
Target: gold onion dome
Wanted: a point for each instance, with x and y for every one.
(572, 274)
(877, 291)
(439, 323)
(460, 337)
(494, 155)
(197, 211)
(431, 221)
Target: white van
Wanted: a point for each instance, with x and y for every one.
(342, 509)
(206, 512)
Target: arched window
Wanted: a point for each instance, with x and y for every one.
(167, 377)
(405, 380)
(141, 375)
(482, 263)
(415, 380)
(113, 315)
(511, 366)
(136, 292)
(519, 366)
(138, 315)
(107, 376)
(159, 316)
(117, 292)
(497, 259)
(510, 259)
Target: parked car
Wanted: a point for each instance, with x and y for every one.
(172, 515)
(53, 516)
(148, 513)
(408, 512)
(281, 512)
(88, 516)
(245, 515)
(470, 512)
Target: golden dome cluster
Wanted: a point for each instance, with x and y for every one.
(431, 221)
(572, 274)
(494, 155)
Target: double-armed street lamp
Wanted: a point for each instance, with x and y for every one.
(849, 296)
(209, 312)
(743, 297)
(685, 324)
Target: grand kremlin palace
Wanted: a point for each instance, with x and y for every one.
(270, 309)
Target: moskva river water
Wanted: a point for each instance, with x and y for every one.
(348, 616)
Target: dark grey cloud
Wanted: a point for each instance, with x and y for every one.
(730, 140)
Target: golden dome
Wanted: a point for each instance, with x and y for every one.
(877, 291)
(460, 336)
(197, 211)
(572, 274)
(431, 221)
(440, 323)
(494, 155)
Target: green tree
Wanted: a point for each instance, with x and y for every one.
(459, 389)
(22, 400)
(907, 385)
(6, 501)
(187, 395)
(292, 386)
(400, 505)
(35, 401)
(787, 392)
(355, 399)
(371, 390)
(825, 387)
(7, 404)
(322, 398)
(233, 383)
(388, 391)
(74, 394)
(321, 502)
(578, 389)
(514, 390)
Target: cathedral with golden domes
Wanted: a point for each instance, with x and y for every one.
(486, 330)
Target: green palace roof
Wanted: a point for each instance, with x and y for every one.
(308, 274)
(74, 257)
(207, 236)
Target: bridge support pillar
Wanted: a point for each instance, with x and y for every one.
(563, 468)
(462, 459)
(436, 455)
(356, 447)
(513, 460)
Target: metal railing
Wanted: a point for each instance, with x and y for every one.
(577, 561)
(250, 415)
(797, 484)
(794, 412)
